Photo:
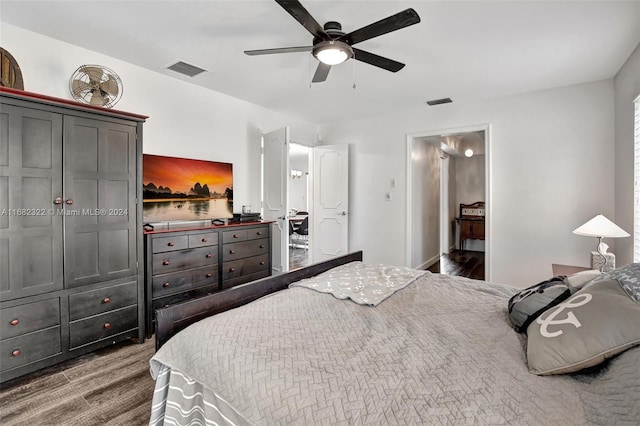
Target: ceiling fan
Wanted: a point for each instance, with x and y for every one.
(331, 46)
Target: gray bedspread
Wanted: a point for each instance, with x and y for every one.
(440, 351)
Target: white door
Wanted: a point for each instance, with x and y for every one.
(329, 228)
(275, 190)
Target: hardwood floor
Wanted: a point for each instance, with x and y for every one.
(111, 386)
(298, 258)
(461, 263)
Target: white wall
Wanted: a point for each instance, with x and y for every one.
(551, 170)
(627, 89)
(298, 190)
(426, 212)
(184, 120)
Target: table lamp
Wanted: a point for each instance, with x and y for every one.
(601, 227)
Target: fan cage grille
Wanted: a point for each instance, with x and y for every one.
(96, 85)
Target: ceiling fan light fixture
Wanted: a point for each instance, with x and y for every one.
(332, 52)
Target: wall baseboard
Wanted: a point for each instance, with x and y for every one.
(429, 262)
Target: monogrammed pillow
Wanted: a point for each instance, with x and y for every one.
(592, 325)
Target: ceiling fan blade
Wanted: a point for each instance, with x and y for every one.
(321, 73)
(96, 98)
(94, 73)
(392, 23)
(301, 15)
(79, 86)
(377, 61)
(278, 50)
(110, 87)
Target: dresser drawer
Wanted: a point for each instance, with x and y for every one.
(203, 239)
(184, 259)
(175, 242)
(245, 266)
(95, 302)
(163, 302)
(180, 281)
(99, 327)
(244, 279)
(234, 236)
(256, 233)
(29, 348)
(245, 249)
(29, 317)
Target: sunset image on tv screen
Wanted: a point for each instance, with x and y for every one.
(186, 189)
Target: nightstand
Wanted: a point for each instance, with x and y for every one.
(567, 269)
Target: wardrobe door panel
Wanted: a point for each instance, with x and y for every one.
(100, 186)
(30, 183)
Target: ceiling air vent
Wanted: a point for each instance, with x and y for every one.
(439, 101)
(186, 69)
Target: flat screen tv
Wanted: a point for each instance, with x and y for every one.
(183, 189)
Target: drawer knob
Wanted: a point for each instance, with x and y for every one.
(171, 244)
(208, 256)
(107, 326)
(204, 240)
(69, 201)
(232, 269)
(15, 353)
(261, 245)
(14, 322)
(236, 236)
(259, 233)
(209, 275)
(232, 252)
(165, 262)
(106, 300)
(165, 285)
(263, 262)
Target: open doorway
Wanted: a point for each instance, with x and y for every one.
(455, 161)
(299, 205)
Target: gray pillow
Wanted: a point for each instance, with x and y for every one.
(629, 277)
(594, 324)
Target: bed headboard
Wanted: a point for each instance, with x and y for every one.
(174, 318)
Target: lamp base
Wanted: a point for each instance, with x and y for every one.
(597, 262)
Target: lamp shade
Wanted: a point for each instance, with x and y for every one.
(600, 226)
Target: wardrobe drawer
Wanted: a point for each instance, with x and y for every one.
(95, 302)
(184, 259)
(256, 233)
(203, 239)
(29, 317)
(246, 266)
(29, 348)
(234, 236)
(174, 242)
(99, 327)
(245, 249)
(180, 281)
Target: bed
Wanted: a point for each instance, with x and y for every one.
(434, 350)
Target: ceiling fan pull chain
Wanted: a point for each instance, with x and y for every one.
(354, 75)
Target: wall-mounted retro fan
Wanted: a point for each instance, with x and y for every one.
(96, 85)
(331, 46)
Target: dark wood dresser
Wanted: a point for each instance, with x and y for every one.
(185, 263)
(70, 230)
(471, 222)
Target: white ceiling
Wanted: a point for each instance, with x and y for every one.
(462, 50)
